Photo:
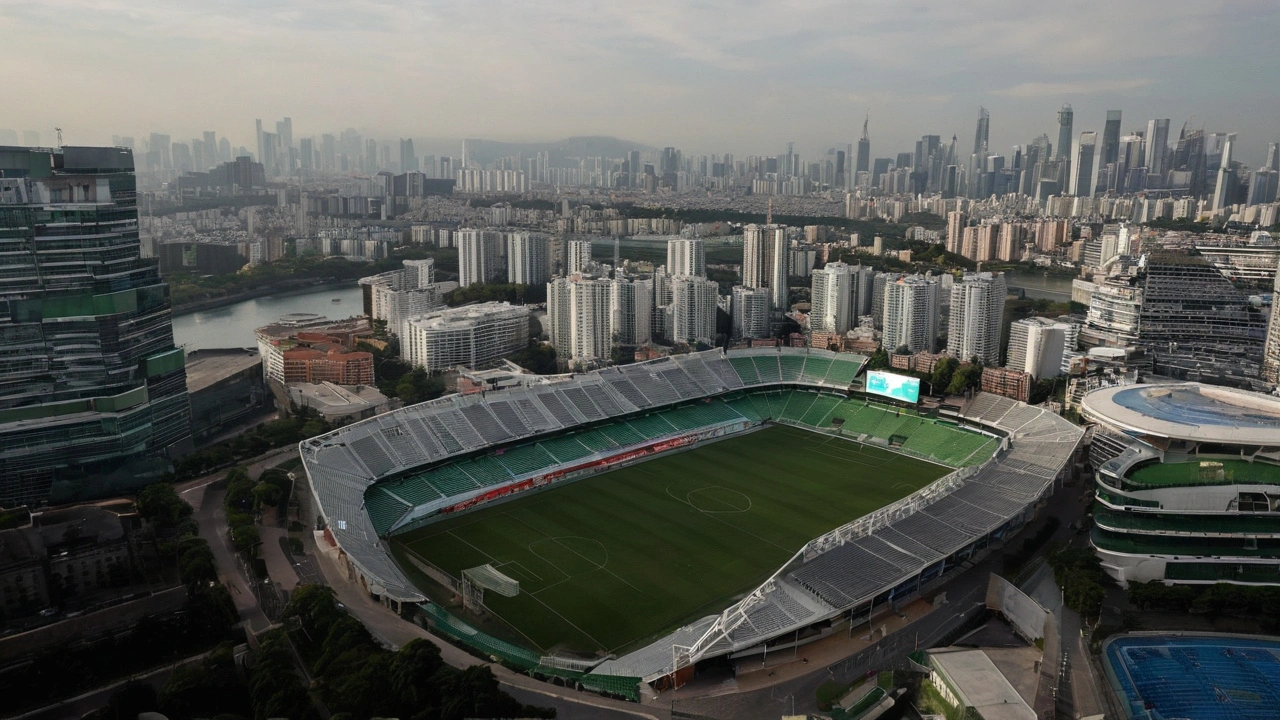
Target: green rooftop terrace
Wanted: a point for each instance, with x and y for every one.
(1191, 474)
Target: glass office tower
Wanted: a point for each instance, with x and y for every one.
(93, 393)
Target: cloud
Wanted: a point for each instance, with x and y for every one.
(1082, 87)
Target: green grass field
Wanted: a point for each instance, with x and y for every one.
(610, 562)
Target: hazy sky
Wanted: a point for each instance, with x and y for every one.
(709, 76)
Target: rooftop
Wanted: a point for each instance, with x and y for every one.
(1188, 411)
(980, 683)
(206, 367)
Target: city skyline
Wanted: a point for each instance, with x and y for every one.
(674, 70)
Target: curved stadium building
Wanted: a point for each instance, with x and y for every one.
(997, 460)
(1193, 495)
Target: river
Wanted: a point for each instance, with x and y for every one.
(233, 325)
(1038, 285)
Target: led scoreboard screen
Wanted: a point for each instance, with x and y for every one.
(898, 387)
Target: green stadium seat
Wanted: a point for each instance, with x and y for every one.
(414, 489)
(745, 369)
(565, 449)
(622, 434)
(526, 459)
(651, 426)
(596, 441)
(486, 471)
(791, 367)
(746, 407)
(450, 480)
(843, 371)
(383, 509)
(819, 410)
(815, 369)
(767, 368)
(797, 405)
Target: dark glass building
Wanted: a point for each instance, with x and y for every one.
(93, 393)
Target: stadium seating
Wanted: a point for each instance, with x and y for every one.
(582, 403)
(408, 452)
(746, 370)
(384, 509)
(628, 390)
(414, 490)
(596, 441)
(485, 470)
(565, 449)
(604, 400)
(622, 434)
(526, 459)
(551, 401)
(815, 369)
(843, 371)
(798, 404)
(819, 411)
(767, 368)
(485, 424)
(510, 419)
(450, 480)
(372, 455)
(651, 426)
(744, 406)
(791, 366)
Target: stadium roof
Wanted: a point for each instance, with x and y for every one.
(1188, 411)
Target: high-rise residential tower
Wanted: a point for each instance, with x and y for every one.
(93, 393)
(837, 292)
(977, 308)
(686, 256)
(480, 256)
(766, 262)
(528, 262)
(911, 313)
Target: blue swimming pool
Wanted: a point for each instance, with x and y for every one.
(1196, 677)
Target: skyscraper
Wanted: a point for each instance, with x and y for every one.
(1157, 140)
(1225, 189)
(766, 262)
(1111, 138)
(686, 256)
(408, 159)
(1082, 167)
(982, 137)
(93, 394)
(1065, 122)
(864, 150)
(977, 308)
(911, 313)
(579, 314)
(578, 251)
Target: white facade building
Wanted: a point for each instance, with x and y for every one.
(977, 309)
(1038, 346)
(686, 256)
(472, 336)
(528, 258)
(481, 256)
(766, 262)
(578, 258)
(694, 301)
(911, 313)
(750, 310)
(840, 295)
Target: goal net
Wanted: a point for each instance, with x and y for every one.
(488, 578)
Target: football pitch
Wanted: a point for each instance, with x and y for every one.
(610, 562)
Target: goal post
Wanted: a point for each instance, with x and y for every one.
(488, 577)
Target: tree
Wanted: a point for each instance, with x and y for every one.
(267, 494)
(160, 505)
(538, 357)
(964, 378)
(943, 371)
(879, 360)
(245, 537)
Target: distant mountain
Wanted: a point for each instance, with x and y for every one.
(486, 151)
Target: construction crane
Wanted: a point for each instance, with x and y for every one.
(59, 131)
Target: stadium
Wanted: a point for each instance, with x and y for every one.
(1188, 483)
(623, 525)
